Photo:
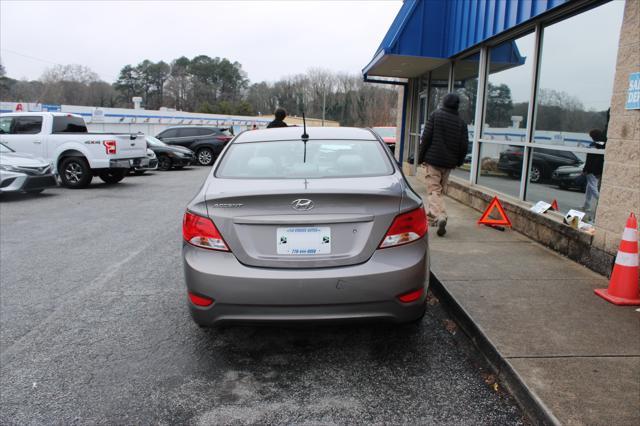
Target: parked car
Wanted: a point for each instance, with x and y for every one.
(24, 172)
(328, 229)
(149, 163)
(570, 177)
(169, 155)
(543, 163)
(388, 135)
(206, 142)
(76, 154)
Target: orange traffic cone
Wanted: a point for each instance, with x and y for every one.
(554, 205)
(623, 286)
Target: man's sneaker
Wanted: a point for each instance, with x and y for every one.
(442, 224)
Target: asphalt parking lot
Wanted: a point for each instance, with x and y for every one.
(95, 330)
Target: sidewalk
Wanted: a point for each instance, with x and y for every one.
(576, 354)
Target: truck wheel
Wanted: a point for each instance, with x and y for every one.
(205, 156)
(112, 176)
(75, 172)
(164, 163)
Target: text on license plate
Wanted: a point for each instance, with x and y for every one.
(304, 240)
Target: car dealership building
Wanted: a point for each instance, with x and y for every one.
(535, 78)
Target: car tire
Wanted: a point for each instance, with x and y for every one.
(75, 173)
(164, 163)
(178, 167)
(535, 174)
(205, 156)
(113, 176)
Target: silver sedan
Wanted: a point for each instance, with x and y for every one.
(315, 227)
(23, 172)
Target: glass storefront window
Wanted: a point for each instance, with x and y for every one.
(577, 67)
(509, 89)
(465, 84)
(500, 167)
(575, 83)
(439, 86)
(465, 74)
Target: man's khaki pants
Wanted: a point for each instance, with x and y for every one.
(437, 180)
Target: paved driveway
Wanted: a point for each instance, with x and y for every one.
(95, 330)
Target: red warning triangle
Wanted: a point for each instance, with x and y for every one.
(554, 205)
(486, 220)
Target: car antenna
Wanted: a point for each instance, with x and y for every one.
(305, 137)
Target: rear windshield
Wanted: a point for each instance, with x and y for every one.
(69, 124)
(286, 159)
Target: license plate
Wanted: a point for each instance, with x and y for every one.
(304, 240)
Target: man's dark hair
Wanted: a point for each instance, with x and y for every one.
(280, 114)
(597, 135)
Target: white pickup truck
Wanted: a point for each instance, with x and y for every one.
(76, 154)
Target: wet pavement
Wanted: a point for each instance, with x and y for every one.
(95, 329)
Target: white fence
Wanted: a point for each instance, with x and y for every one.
(150, 122)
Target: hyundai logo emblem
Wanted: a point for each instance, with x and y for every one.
(302, 204)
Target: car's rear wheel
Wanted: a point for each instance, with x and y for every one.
(164, 163)
(113, 176)
(535, 175)
(205, 156)
(75, 172)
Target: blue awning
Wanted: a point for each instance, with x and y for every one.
(410, 46)
(426, 33)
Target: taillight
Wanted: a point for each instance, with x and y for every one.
(200, 300)
(109, 146)
(201, 232)
(223, 138)
(406, 228)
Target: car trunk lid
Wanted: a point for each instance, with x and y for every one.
(270, 223)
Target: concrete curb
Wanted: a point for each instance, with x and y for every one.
(534, 408)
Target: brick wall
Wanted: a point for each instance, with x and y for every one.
(620, 190)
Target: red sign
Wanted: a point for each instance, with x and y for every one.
(486, 220)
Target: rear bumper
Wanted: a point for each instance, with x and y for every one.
(257, 295)
(126, 163)
(147, 164)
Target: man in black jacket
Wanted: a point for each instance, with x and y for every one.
(443, 147)
(279, 121)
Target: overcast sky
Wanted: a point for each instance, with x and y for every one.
(271, 39)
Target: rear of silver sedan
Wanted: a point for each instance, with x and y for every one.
(320, 230)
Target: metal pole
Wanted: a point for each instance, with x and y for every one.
(403, 124)
(479, 117)
(531, 115)
(324, 98)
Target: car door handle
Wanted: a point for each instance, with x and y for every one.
(37, 142)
